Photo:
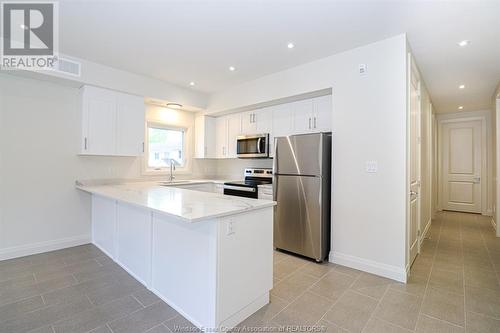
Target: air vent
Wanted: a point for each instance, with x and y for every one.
(66, 66)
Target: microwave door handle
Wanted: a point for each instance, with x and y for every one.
(259, 140)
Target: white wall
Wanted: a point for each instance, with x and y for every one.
(425, 161)
(106, 77)
(40, 209)
(369, 124)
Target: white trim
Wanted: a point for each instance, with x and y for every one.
(40, 247)
(370, 266)
(426, 229)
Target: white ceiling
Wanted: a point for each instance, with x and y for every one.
(182, 41)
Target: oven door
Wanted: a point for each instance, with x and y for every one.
(241, 191)
(252, 146)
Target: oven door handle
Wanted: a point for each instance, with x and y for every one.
(239, 188)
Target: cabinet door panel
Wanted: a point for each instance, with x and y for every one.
(100, 115)
(248, 125)
(303, 114)
(130, 120)
(322, 120)
(264, 120)
(221, 137)
(282, 120)
(233, 130)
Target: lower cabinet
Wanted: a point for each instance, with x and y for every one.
(134, 241)
(123, 232)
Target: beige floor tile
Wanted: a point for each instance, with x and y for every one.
(352, 311)
(444, 305)
(347, 270)
(305, 310)
(333, 285)
(265, 314)
(371, 285)
(316, 269)
(483, 301)
(415, 285)
(376, 325)
(448, 280)
(287, 266)
(477, 323)
(482, 279)
(428, 324)
(399, 308)
(328, 327)
(294, 285)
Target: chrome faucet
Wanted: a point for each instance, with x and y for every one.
(172, 169)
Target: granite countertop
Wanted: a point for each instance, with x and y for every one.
(184, 204)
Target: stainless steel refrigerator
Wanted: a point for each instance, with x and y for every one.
(302, 188)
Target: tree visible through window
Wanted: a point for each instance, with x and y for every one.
(164, 145)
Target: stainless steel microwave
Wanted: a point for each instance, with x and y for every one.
(253, 146)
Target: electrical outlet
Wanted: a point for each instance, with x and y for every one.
(230, 228)
(371, 166)
(363, 69)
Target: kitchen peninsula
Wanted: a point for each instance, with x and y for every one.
(207, 255)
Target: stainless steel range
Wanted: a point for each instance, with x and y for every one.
(249, 187)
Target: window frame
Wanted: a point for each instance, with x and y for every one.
(149, 170)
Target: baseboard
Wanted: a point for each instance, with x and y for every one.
(369, 266)
(426, 230)
(35, 248)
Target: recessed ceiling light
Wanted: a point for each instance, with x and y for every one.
(460, 107)
(232, 69)
(462, 86)
(464, 43)
(191, 83)
(290, 45)
(175, 106)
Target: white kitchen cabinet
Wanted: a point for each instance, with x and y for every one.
(205, 146)
(233, 130)
(248, 124)
(302, 116)
(112, 123)
(257, 121)
(133, 241)
(129, 125)
(227, 129)
(104, 224)
(322, 115)
(98, 121)
(221, 137)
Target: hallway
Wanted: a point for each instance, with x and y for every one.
(458, 273)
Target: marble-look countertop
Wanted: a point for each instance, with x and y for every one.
(184, 204)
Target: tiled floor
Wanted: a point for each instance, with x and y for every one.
(454, 287)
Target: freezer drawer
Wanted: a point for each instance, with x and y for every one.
(301, 218)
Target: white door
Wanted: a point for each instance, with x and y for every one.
(130, 120)
(322, 119)
(461, 166)
(220, 137)
(282, 120)
(414, 166)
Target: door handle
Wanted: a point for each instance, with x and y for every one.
(413, 193)
(314, 122)
(476, 180)
(309, 123)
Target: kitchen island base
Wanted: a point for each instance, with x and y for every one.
(215, 272)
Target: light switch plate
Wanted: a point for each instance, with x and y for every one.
(371, 166)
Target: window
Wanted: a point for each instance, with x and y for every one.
(164, 145)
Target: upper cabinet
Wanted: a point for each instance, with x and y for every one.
(112, 123)
(204, 136)
(227, 128)
(257, 121)
(299, 117)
